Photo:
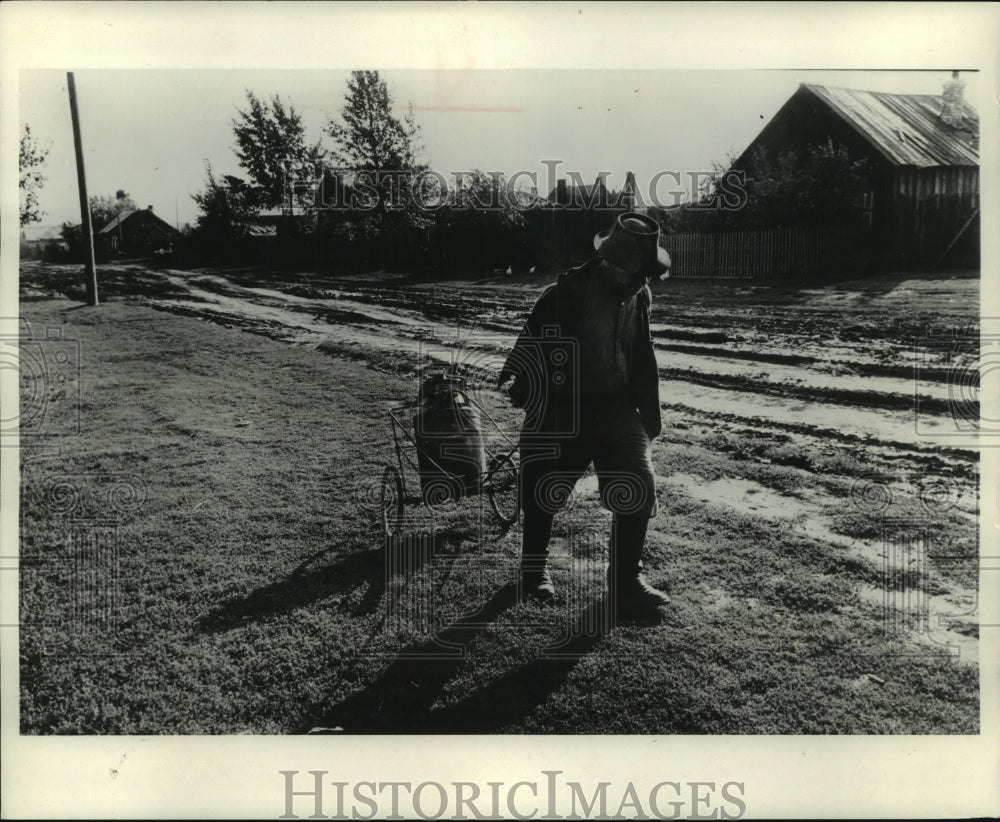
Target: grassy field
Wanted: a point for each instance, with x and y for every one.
(202, 554)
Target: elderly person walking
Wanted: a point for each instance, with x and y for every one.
(584, 370)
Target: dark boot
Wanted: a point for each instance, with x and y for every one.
(535, 580)
(630, 595)
(536, 583)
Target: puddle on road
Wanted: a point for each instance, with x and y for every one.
(821, 375)
(751, 498)
(297, 326)
(882, 427)
(938, 623)
(335, 301)
(742, 495)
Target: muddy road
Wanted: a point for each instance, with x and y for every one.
(832, 364)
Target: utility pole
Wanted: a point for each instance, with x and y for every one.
(89, 270)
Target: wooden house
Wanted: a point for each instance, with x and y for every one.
(136, 233)
(922, 153)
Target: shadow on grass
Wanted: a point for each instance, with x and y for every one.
(400, 701)
(302, 587)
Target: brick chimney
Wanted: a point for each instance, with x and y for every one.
(952, 113)
(149, 208)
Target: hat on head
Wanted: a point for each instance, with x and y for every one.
(633, 244)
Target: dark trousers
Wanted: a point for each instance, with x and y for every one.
(608, 433)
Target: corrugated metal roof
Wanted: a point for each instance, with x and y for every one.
(120, 217)
(906, 128)
(258, 230)
(283, 211)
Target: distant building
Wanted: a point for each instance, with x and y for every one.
(263, 232)
(580, 196)
(922, 153)
(136, 233)
(42, 241)
(560, 229)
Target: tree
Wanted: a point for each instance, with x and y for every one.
(487, 196)
(376, 147)
(819, 184)
(378, 155)
(31, 160)
(371, 137)
(481, 224)
(226, 209)
(270, 143)
(104, 209)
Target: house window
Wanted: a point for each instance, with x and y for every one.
(867, 208)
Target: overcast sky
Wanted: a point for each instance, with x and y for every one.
(150, 132)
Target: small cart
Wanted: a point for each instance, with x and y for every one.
(439, 482)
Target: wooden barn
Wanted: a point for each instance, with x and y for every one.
(137, 233)
(922, 154)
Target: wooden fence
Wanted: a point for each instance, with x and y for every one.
(804, 253)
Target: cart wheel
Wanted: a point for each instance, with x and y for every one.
(501, 485)
(392, 500)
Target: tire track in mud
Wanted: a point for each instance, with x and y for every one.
(905, 371)
(352, 321)
(714, 390)
(937, 403)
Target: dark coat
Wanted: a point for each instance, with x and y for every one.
(557, 308)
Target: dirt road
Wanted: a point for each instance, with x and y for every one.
(796, 371)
